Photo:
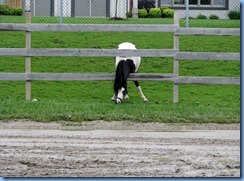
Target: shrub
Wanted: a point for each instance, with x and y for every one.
(234, 14)
(11, 12)
(129, 14)
(162, 8)
(146, 4)
(154, 13)
(213, 17)
(18, 12)
(168, 13)
(142, 13)
(5, 10)
(200, 16)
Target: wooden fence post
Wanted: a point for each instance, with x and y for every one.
(176, 61)
(28, 46)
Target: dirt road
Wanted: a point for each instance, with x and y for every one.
(118, 149)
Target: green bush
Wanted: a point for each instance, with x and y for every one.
(200, 16)
(167, 12)
(142, 13)
(213, 17)
(5, 10)
(18, 12)
(11, 12)
(154, 13)
(129, 14)
(234, 14)
(162, 8)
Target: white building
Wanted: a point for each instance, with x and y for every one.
(64, 7)
(122, 8)
(203, 7)
(107, 8)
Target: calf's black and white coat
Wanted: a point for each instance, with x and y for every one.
(124, 66)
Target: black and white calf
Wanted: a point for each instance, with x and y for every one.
(124, 66)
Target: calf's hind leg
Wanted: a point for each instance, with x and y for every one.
(140, 91)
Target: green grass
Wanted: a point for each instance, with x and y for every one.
(79, 110)
(90, 100)
(221, 23)
(211, 23)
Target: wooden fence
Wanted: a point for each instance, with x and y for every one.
(28, 52)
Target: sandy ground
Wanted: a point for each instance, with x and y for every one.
(118, 149)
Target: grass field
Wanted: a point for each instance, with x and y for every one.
(225, 23)
(90, 100)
